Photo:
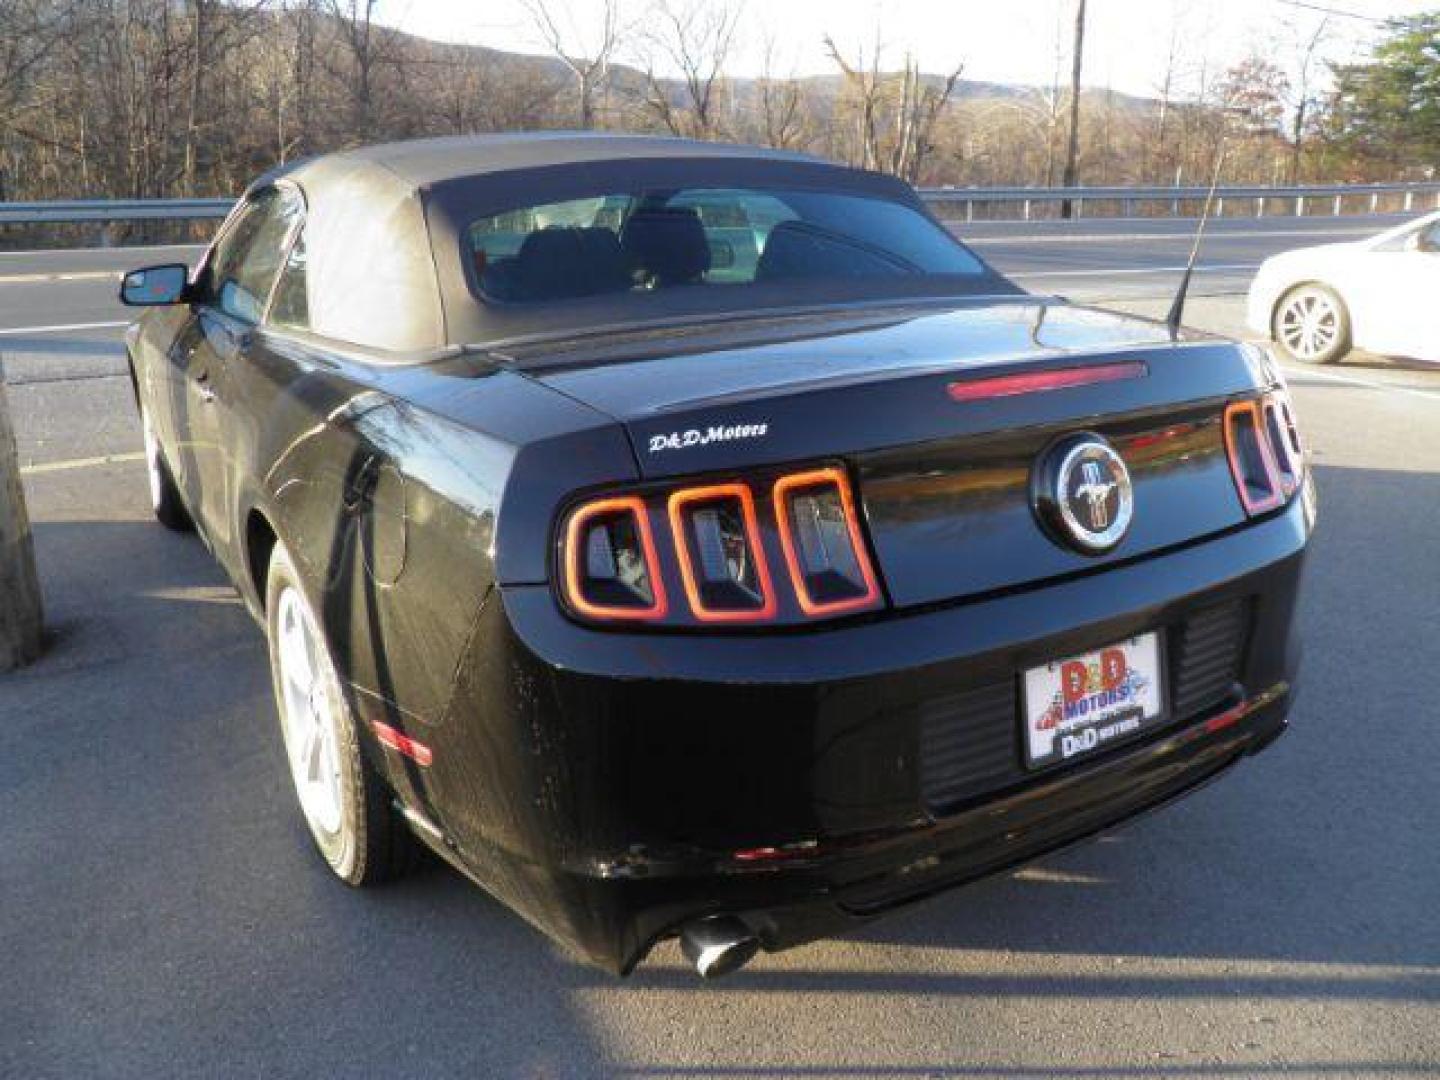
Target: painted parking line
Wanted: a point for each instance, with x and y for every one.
(1186, 236)
(59, 275)
(1134, 270)
(20, 331)
(80, 463)
(1298, 375)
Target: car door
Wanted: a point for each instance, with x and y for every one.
(1397, 288)
(234, 290)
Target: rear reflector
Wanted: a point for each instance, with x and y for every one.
(1031, 382)
(722, 561)
(610, 563)
(824, 549)
(402, 743)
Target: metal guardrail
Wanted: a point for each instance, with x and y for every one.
(1407, 198)
(79, 211)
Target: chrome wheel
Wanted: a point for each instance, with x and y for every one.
(309, 714)
(1311, 325)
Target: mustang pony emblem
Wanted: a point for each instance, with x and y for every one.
(1095, 491)
(1081, 492)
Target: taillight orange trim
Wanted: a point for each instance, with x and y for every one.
(574, 534)
(821, 478)
(679, 500)
(1255, 411)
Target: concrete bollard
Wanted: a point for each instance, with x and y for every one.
(20, 607)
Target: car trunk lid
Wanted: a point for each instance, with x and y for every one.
(944, 484)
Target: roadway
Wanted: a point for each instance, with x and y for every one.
(161, 915)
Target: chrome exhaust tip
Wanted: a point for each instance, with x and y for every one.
(718, 945)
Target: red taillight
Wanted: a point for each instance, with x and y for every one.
(611, 570)
(1031, 382)
(824, 550)
(722, 561)
(1263, 446)
(720, 539)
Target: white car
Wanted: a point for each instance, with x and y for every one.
(1381, 295)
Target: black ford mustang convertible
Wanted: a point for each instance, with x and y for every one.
(695, 540)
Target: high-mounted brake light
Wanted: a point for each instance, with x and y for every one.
(611, 569)
(722, 560)
(824, 549)
(1031, 382)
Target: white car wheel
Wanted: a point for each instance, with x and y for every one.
(308, 715)
(345, 802)
(1311, 325)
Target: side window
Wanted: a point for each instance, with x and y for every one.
(246, 262)
(291, 307)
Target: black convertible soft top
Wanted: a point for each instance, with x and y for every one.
(424, 162)
(385, 227)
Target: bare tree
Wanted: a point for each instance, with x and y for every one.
(1160, 151)
(29, 33)
(364, 41)
(780, 101)
(695, 37)
(863, 85)
(591, 73)
(921, 104)
(895, 114)
(1308, 42)
(1052, 102)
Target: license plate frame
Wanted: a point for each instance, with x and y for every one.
(1104, 714)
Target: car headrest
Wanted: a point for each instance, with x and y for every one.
(667, 244)
(791, 251)
(561, 264)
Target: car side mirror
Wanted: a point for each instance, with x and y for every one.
(1422, 241)
(155, 286)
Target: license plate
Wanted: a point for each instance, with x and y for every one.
(1080, 705)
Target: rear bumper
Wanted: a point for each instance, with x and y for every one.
(612, 786)
(788, 904)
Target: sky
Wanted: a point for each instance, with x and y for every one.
(1009, 41)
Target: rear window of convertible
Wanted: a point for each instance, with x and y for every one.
(658, 240)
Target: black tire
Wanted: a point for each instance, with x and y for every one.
(370, 843)
(1323, 340)
(165, 498)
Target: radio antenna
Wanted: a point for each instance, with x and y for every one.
(1177, 306)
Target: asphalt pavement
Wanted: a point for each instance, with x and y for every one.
(161, 913)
